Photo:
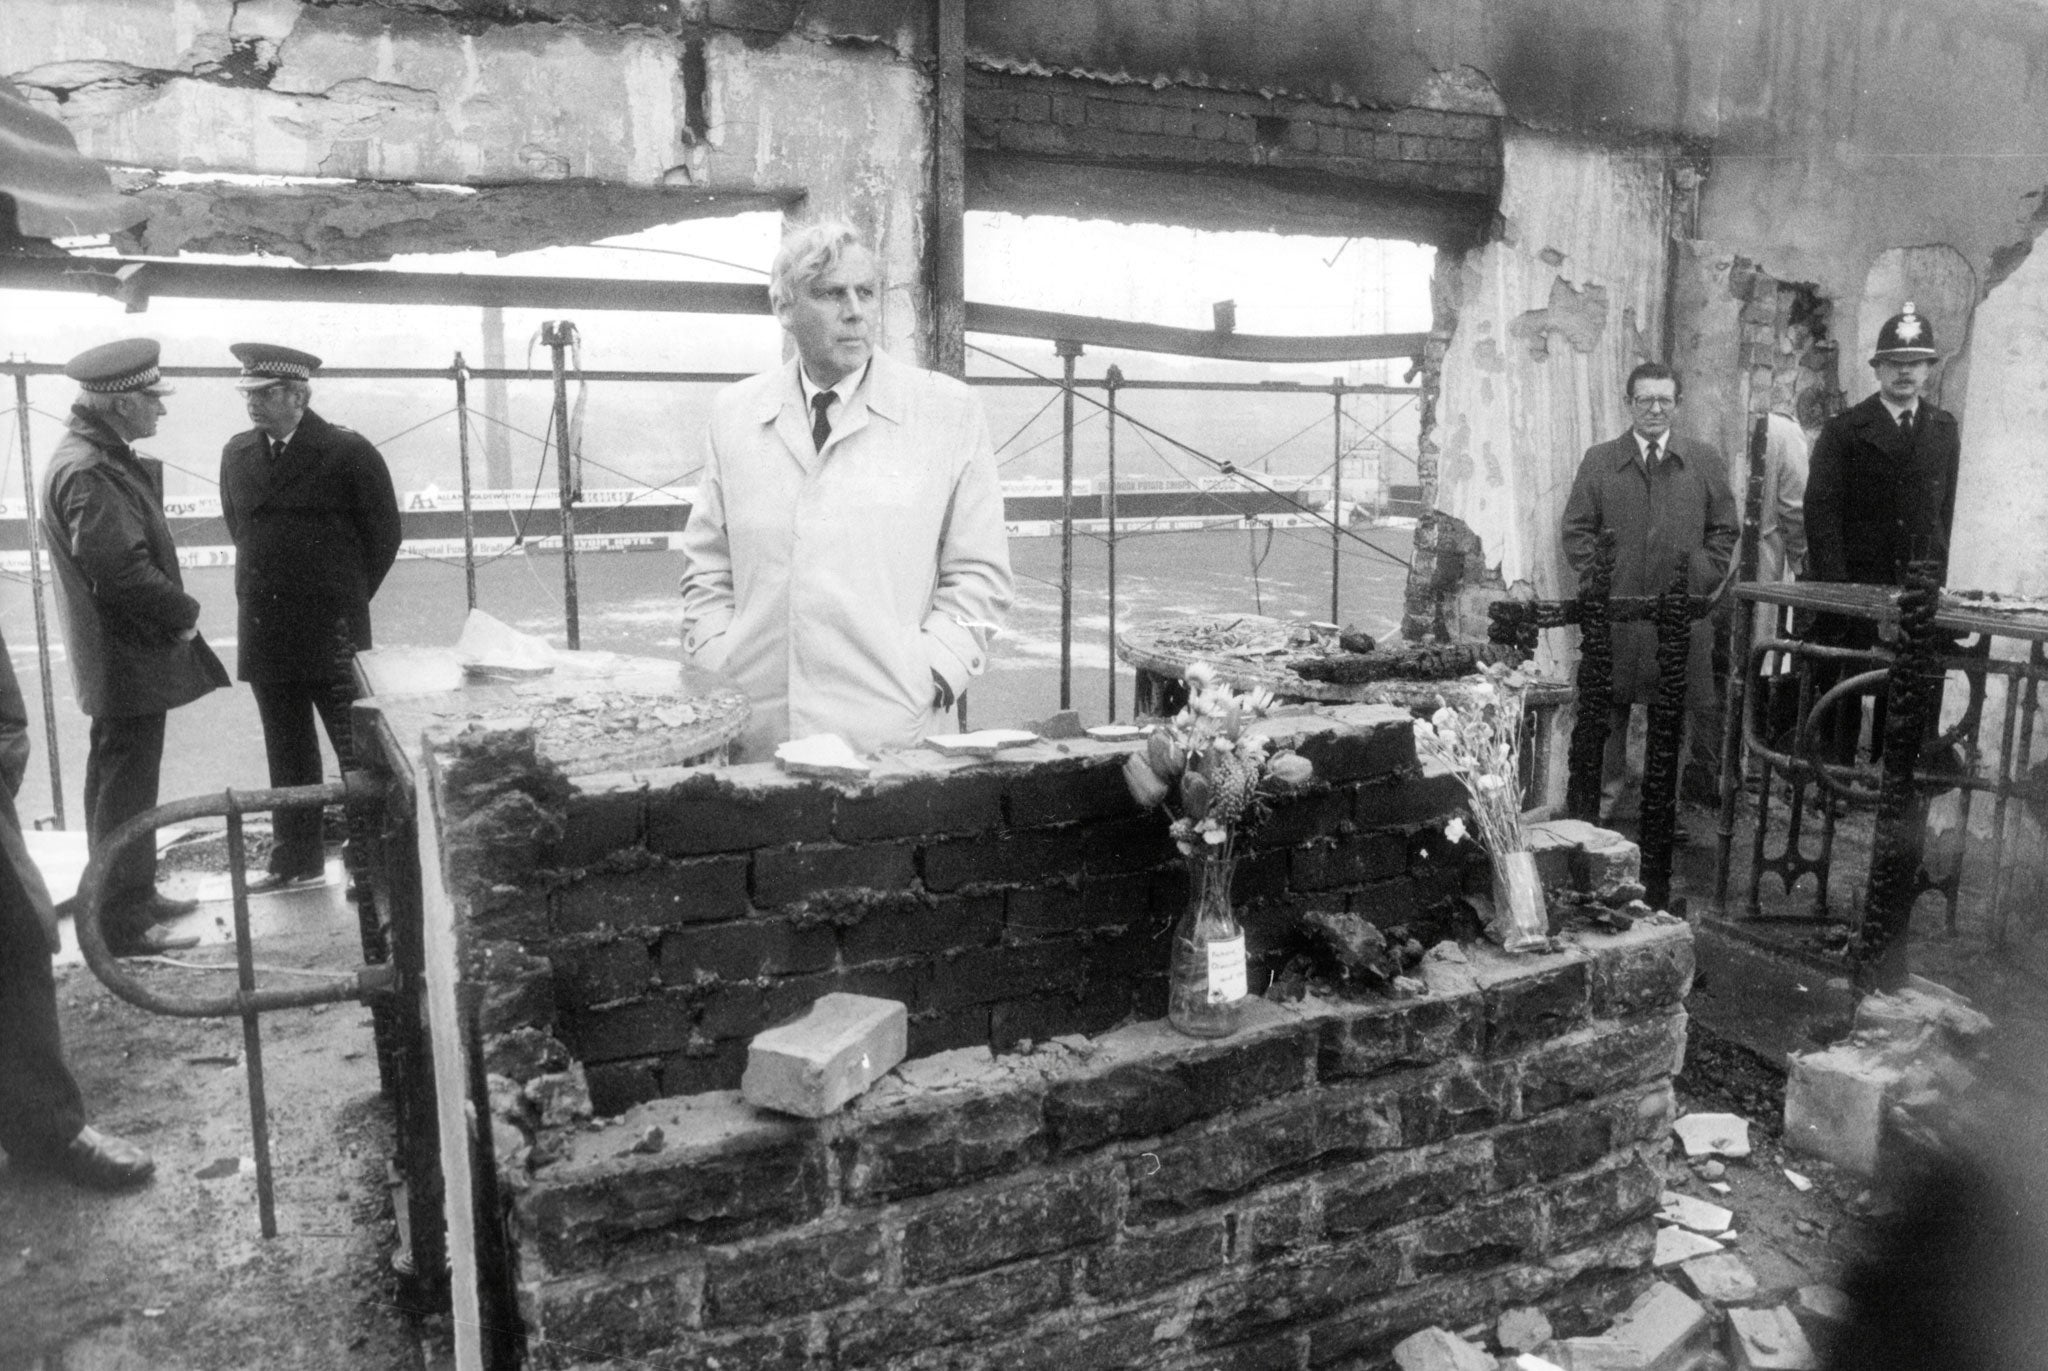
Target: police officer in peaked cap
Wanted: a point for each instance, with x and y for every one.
(314, 519)
(1881, 491)
(130, 630)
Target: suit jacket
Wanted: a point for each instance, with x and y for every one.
(831, 584)
(1781, 524)
(315, 533)
(119, 590)
(1683, 511)
(1873, 497)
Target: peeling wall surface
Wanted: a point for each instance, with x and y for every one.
(393, 94)
(2004, 491)
(1551, 317)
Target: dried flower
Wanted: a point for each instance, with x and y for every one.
(1480, 743)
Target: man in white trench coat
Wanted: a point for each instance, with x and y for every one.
(847, 561)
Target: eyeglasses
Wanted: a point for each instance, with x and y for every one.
(1655, 402)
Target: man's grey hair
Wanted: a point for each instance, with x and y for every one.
(100, 401)
(807, 254)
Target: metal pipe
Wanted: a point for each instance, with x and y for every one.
(1067, 353)
(559, 335)
(33, 529)
(462, 453)
(252, 1035)
(1111, 381)
(361, 984)
(1729, 783)
(1336, 492)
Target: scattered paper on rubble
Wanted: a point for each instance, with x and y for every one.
(1799, 1182)
(1675, 1245)
(1713, 1135)
(1696, 1214)
(985, 742)
(821, 754)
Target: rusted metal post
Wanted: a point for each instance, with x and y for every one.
(1659, 823)
(462, 451)
(1896, 844)
(252, 1035)
(33, 526)
(1336, 491)
(559, 335)
(1110, 382)
(1595, 685)
(1736, 697)
(1067, 353)
(949, 188)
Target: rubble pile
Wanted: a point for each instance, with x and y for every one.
(1711, 1308)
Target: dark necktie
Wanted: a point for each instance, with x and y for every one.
(821, 425)
(1650, 454)
(1906, 422)
(276, 449)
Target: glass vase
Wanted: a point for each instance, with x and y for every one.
(1206, 993)
(1521, 920)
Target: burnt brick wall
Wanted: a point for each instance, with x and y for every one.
(1074, 119)
(1300, 1195)
(653, 923)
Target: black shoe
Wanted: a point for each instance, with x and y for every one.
(97, 1161)
(272, 881)
(152, 940)
(164, 909)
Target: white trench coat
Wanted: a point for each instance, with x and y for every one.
(832, 584)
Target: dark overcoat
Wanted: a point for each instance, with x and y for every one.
(1874, 497)
(315, 532)
(1683, 511)
(119, 590)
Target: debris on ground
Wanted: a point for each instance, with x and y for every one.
(1713, 1135)
(1439, 1349)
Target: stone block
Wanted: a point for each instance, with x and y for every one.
(1834, 1103)
(1374, 1195)
(657, 895)
(812, 1067)
(790, 1273)
(733, 809)
(1568, 1140)
(1086, 788)
(1676, 1246)
(1010, 859)
(1768, 1340)
(985, 975)
(606, 814)
(593, 973)
(920, 1143)
(1688, 1211)
(1667, 1330)
(726, 1172)
(1824, 1305)
(920, 928)
(745, 949)
(1720, 1278)
(619, 1314)
(1194, 1172)
(1353, 743)
(1392, 1035)
(933, 796)
(894, 1329)
(640, 1028)
(1643, 971)
(1583, 1205)
(786, 875)
(1152, 1257)
(1713, 1135)
(1523, 1330)
(1358, 860)
(1594, 1354)
(1174, 1087)
(979, 1229)
(1475, 1236)
(1531, 1000)
(1438, 1349)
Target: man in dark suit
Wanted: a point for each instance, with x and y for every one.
(1667, 501)
(314, 521)
(42, 1116)
(130, 629)
(1880, 492)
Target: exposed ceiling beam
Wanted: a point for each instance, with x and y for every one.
(135, 282)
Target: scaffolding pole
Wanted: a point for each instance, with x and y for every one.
(558, 336)
(462, 451)
(33, 528)
(1336, 492)
(1114, 379)
(1067, 353)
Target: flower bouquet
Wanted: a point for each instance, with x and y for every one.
(1215, 780)
(1480, 743)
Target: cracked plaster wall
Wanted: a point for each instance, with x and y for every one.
(1550, 318)
(386, 95)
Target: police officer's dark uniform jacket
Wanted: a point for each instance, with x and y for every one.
(118, 586)
(315, 532)
(1875, 496)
